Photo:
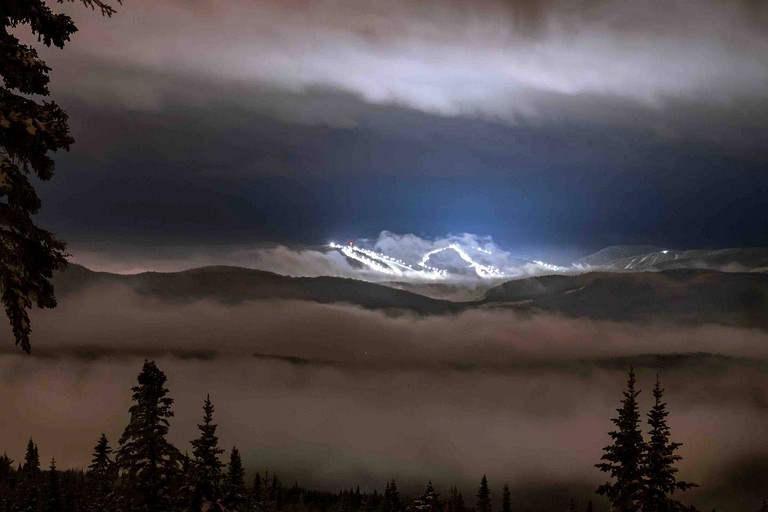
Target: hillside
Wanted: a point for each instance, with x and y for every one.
(685, 296)
(232, 285)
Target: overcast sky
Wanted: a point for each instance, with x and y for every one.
(571, 125)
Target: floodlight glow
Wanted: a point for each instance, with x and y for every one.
(384, 264)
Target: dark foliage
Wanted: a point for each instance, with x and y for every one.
(506, 499)
(235, 493)
(659, 459)
(30, 129)
(149, 464)
(150, 474)
(206, 467)
(483, 497)
(624, 456)
(427, 501)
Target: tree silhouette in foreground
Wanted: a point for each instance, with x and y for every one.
(102, 474)
(624, 456)
(455, 501)
(206, 466)
(235, 494)
(391, 497)
(29, 130)
(150, 475)
(148, 462)
(642, 473)
(506, 499)
(427, 501)
(660, 481)
(53, 500)
(483, 496)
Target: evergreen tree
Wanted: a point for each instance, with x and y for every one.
(590, 507)
(764, 507)
(276, 493)
(102, 474)
(426, 502)
(391, 497)
(483, 497)
(27, 494)
(365, 503)
(206, 466)
(506, 499)
(262, 496)
(31, 459)
(53, 501)
(623, 457)
(572, 505)
(254, 502)
(29, 130)
(7, 475)
(148, 463)
(455, 500)
(659, 459)
(235, 495)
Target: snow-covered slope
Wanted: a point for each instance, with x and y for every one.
(640, 258)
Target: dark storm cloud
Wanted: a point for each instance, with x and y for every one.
(573, 124)
(220, 175)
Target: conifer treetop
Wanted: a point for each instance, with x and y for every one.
(30, 129)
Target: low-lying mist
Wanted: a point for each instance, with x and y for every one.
(334, 395)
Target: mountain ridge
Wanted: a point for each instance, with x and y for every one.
(685, 296)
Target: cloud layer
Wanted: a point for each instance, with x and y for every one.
(368, 396)
(451, 57)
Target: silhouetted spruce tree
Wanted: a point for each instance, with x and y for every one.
(623, 457)
(506, 499)
(276, 493)
(148, 463)
(590, 506)
(31, 459)
(254, 500)
(572, 505)
(27, 495)
(263, 498)
(483, 497)
(74, 492)
(427, 501)
(101, 476)
(7, 475)
(235, 493)
(365, 503)
(53, 498)
(455, 501)
(29, 130)
(206, 466)
(659, 460)
(391, 501)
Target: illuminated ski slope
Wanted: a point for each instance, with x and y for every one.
(384, 264)
(387, 265)
(483, 271)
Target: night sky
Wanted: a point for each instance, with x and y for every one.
(571, 125)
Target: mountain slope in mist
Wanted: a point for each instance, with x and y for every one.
(648, 257)
(684, 296)
(233, 285)
(672, 296)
